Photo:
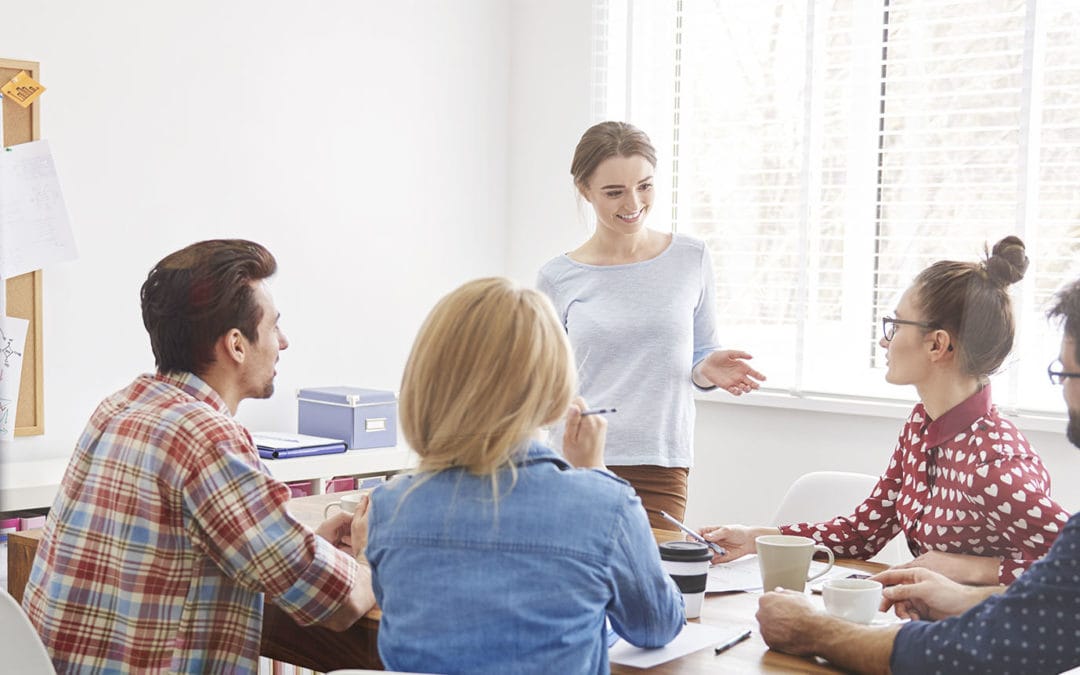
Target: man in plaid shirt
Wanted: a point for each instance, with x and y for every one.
(167, 531)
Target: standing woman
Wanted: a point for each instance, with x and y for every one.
(639, 308)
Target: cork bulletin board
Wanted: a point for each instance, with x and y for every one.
(21, 125)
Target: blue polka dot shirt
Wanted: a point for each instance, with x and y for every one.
(1034, 627)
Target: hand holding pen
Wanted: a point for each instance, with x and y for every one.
(583, 439)
(736, 540)
(693, 535)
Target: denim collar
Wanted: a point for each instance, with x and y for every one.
(538, 452)
(958, 418)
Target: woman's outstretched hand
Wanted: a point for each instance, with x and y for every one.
(728, 370)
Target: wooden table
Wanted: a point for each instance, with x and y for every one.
(324, 650)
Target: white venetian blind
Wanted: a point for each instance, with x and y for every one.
(828, 151)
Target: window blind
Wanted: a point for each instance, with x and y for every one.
(828, 151)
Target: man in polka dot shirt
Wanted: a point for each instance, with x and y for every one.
(1032, 626)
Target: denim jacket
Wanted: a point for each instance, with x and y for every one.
(521, 584)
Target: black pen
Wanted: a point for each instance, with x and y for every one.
(598, 411)
(745, 635)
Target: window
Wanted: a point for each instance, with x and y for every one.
(827, 151)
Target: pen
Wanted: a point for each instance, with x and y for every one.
(745, 635)
(697, 537)
(598, 411)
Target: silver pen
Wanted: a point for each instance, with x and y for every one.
(697, 537)
(598, 411)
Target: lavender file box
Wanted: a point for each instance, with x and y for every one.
(364, 418)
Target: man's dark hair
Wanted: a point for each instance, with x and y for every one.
(197, 294)
(1067, 308)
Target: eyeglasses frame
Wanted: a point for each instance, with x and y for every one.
(1058, 376)
(886, 321)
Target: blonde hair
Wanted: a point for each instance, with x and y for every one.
(490, 366)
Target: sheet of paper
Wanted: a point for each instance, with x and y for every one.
(12, 342)
(694, 636)
(744, 575)
(34, 222)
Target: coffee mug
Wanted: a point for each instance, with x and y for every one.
(347, 503)
(784, 560)
(856, 600)
(688, 564)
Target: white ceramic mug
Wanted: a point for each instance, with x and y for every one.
(784, 560)
(347, 503)
(856, 600)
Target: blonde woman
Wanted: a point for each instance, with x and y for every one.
(497, 555)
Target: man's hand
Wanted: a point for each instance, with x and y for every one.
(918, 593)
(583, 439)
(348, 532)
(787, 622)
(335, 530)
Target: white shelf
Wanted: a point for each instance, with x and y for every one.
(32, 485)
(359, 463)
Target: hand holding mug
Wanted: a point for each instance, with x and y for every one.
(348, 503)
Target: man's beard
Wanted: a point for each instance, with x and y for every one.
(1073, 432)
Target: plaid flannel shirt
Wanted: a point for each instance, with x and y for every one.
(165, 535)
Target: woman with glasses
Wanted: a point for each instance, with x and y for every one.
(963, 485)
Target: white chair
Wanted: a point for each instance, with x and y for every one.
(20, 645)
(823, 495)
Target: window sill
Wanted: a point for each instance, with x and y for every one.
(1025, 420)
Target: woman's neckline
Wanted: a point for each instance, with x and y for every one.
(670, 244)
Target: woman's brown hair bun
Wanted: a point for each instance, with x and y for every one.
(1007, 262)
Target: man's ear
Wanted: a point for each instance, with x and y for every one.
(233, 346)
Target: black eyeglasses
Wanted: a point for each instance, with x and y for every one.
(1058, 376)
(889, 324)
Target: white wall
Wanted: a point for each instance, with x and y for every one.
(364, 142)
(746, 457)
(432, 145)
(549, 110)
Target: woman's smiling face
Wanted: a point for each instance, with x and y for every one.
(621, 193)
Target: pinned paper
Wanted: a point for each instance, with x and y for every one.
(12, 344)
(23, 89)
(33, 217)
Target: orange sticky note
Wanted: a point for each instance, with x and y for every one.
(23, 89)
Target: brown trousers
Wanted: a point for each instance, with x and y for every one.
(660, 488)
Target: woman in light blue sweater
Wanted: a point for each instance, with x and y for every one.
(639, 308)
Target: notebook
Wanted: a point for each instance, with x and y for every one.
(279, 445)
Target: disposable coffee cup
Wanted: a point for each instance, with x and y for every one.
(852, 599)
(784, 560)
(688, 564)
(347, 503)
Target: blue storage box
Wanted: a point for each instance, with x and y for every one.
(363, 418)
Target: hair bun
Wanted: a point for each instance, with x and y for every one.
(1007, 262)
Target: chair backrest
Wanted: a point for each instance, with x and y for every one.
(20, 646)
(824, 495)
